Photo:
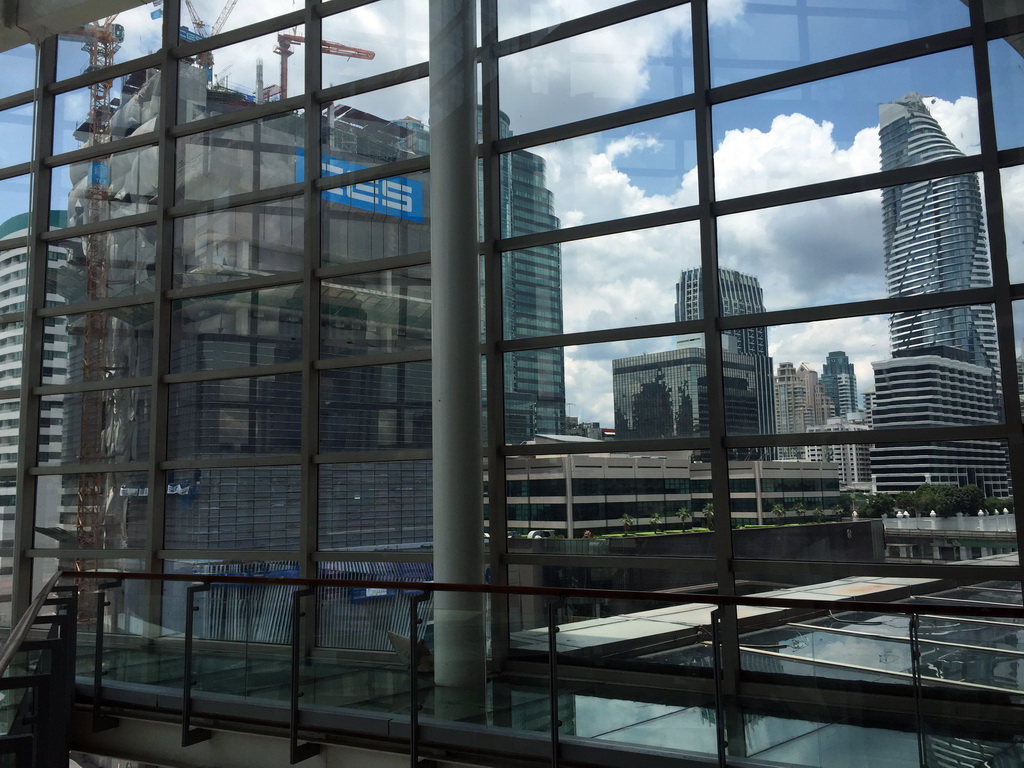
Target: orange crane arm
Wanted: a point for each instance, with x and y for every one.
(286, 40)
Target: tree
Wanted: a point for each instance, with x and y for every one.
(779, 511)
(877, 504)
(656, 521)
(628, 521)
(683, 514)
(709, 515)
(799, 510)
(818, 514)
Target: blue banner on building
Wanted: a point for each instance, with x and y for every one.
(394, 196)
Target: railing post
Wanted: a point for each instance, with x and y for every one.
(189, 735)
(100, 722)
(915, 673)
(414, 683)
(556, 723)
(716, 665)
(297, 752)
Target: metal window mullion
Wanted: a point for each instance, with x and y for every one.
(34, 328)
(309, 498)
(1005, 331)
(494, 363)
(160, 389)
(725, 578)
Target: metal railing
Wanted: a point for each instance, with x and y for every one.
(716, 678)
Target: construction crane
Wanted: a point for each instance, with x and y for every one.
(205, 59)
(285, 41)
(101, 40)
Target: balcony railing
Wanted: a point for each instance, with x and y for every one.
(900, 672)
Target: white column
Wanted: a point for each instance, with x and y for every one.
(455, 284)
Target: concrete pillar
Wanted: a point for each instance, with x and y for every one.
(459, 649)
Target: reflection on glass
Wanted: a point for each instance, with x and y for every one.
(11, 338)
(383, 407)
(637, 62)
(104, 188)
(806, 254)
(93, 346)
(233, 78)
(751, 40)
(16, 130)
(109, 426)
(374, 313)
(601, 289)
(14, 197)
(92, 510)
(641, 168)
(237, 329)
(241, 158)
(205, 18)
(235, 417)
(379, 505)
(254, 240)
(357, 135)
(109, 40)
(375, 220)
(1012, 182)
(372, 39)
(104, 265)
(1007, 87)
(19, 67)
(241, 508)
(516, 17)
(10, 423)
(829, 129)
(127, 106)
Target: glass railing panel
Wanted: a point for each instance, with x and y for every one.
(83, 118)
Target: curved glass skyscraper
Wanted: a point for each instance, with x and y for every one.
(934, 236)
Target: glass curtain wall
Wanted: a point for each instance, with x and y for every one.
(720, 241)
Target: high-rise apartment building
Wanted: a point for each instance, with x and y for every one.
(934, 238)
(800, 403)
(945, 368)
